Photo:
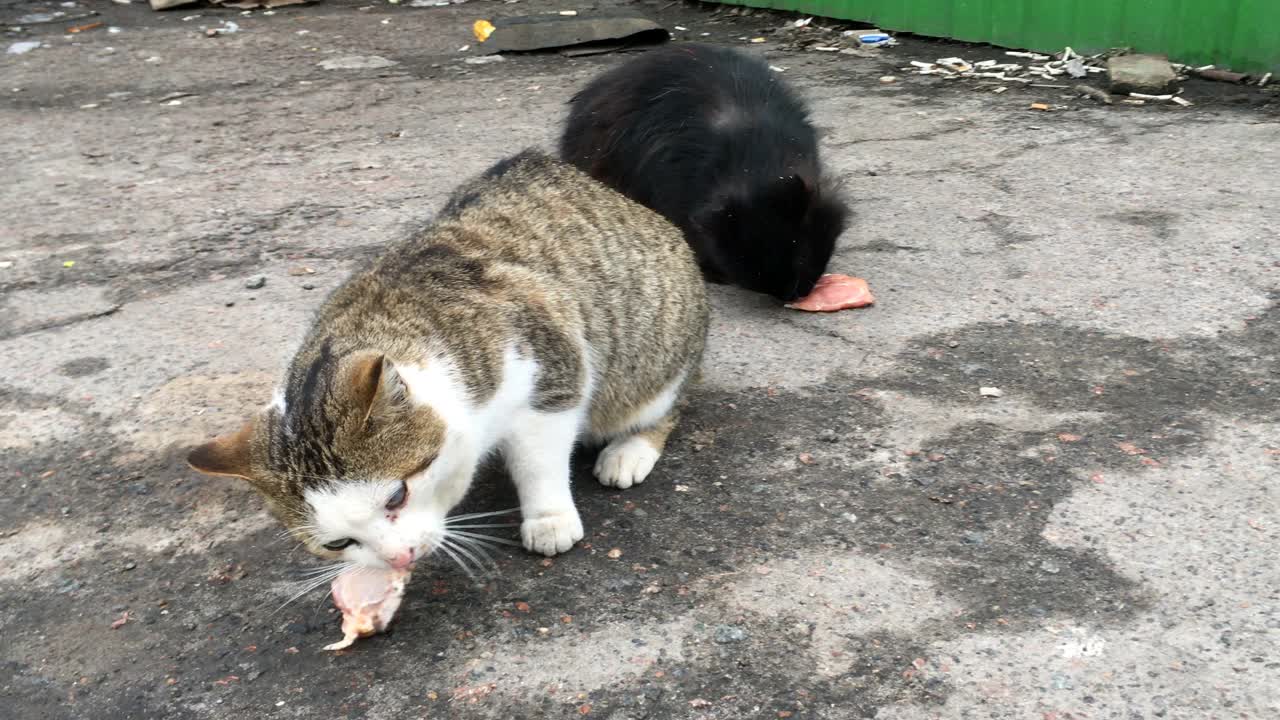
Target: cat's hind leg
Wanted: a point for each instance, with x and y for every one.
(629, 459)
(537, 457)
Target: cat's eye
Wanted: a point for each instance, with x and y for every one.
(398, 498)
(337, 545)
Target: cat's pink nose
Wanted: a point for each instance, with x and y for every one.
(402, 560)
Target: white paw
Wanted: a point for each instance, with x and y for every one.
(626, 462)
(552, 534)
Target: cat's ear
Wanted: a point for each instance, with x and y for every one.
(227, 455)
(375, 385)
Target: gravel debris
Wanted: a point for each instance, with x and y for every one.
(725, 634)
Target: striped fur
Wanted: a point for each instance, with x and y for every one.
(414, 368)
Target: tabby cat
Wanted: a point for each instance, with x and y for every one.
(539, 308)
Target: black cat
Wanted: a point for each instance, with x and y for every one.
(712, 139)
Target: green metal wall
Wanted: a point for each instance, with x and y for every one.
(1239, 34)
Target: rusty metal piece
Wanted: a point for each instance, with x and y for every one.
(1221, 75)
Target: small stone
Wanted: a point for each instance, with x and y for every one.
(255, 282)
(130, 565)
(725, 634)
(308, 286)
(1141, 73)
(888, 80)
(357, 62)
(828, 435)
(975, 538)
(615, 553)
(850, 517)
(953, 343)
(618, 584)
(22, 47)
(991, 392)
(484, 59)
(805, 459)
(1061, 682)
(1050, 567)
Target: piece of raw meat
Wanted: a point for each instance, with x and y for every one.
(835, 292)
(368, 600)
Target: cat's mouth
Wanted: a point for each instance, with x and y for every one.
(403, 560)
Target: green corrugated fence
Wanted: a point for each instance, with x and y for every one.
(1240, 34)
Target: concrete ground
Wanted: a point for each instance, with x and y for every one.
(843, 527)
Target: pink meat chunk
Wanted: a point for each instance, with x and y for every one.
(835, 292)
(368, 599)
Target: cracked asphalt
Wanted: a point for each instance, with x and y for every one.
(844, 526)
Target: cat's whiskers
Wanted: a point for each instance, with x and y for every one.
(300, 592)
(477, 548)
(317, 577)
(445, 546)
(462, 546)
(311, 572)
(322, 576)
(473, 516)
(296, 532)
(481, 538)
(327, 594)
(451, 528)
(468, 553)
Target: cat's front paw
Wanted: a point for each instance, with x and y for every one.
(626, 462)
(552, 534)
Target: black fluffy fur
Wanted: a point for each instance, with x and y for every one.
(712, 139)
